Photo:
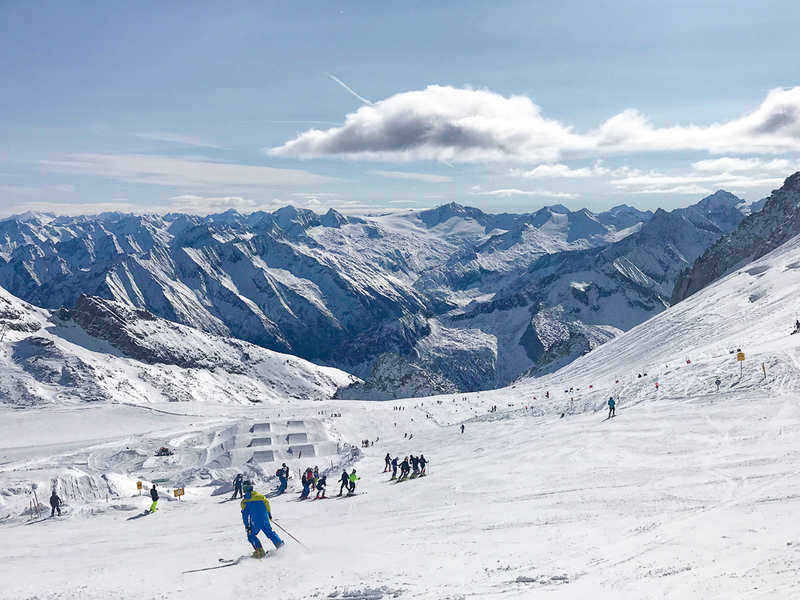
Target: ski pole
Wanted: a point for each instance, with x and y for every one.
(291, 536)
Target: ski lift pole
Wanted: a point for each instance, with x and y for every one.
(290, 535)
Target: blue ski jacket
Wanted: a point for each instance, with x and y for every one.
(255, 510)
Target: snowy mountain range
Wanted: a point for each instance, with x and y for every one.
(415, 303)
(103, 350)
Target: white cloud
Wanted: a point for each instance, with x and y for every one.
(652, 178)
(693, 190)
(728, 164)
(559, 170)
(176, 138)
(426, 177)
(508, 192)
(464, 125)
(34, 190)
(180, 172)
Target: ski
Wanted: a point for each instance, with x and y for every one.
(226, 562)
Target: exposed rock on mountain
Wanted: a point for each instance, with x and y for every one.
(759, 233)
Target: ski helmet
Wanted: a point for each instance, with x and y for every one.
(247, 487)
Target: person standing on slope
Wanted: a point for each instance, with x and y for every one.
(154, 498)
(388, 462)
(256, 516)
(462, 428)
(55, 504)
(237, 486)
(612, 408)
(345, 481)
(283, 477)
(415, 465)
(422, 462)
(321, 484)
(394, 468)
(353, 478)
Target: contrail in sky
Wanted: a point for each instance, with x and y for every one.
(349, 89)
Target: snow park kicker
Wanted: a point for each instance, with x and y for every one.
(686, 493)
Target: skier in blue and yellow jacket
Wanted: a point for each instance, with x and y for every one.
(256, 516)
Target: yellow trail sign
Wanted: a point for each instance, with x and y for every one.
(740, 356)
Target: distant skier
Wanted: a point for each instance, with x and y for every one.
(256, 516)
(404, 469)
(717, 383)
(422, 462)
(462, 428)
(345, 481)
(322, 482)
(283, 477)
(154, 498)
(415, 465)
(388, 461)
(237, 486)
(306, 481)
(55, 504)
(612, 408)
(353, 478)
(394, 468)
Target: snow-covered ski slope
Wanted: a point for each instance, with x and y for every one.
(686, 493)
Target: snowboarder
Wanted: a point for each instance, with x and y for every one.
(322, 482)
(154, 498)
(394, 468)
(422, 462)
(612, 408)
(237, 486)
(345, 481)
(388, 461)
(462, 428)
(256, 516)
(353, 478)
(55, 504)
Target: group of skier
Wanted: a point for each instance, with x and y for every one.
(410, 465)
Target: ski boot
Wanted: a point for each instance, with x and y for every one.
(259, 553)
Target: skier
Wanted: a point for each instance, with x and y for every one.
(404, 469)
(353, 478)
(316, 476)
(321, 483)
(154, 497)
(256, 516)
(388, 461)
(306, 484)
(55, 504)
(612, 408)
(462, 428)
(394, 468)
(237, 486)
(718, 382)
(283, 477)
(345, 481)
(414, 465)
(422, 462)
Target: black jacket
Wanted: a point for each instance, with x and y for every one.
(154, 494)
(55, 500)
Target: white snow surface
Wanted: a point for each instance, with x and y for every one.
(688, 492)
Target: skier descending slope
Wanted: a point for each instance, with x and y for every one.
(388, 462)
(154, 498)
(256, 516)
(612, 408)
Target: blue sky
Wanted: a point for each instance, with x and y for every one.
(154, 106)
